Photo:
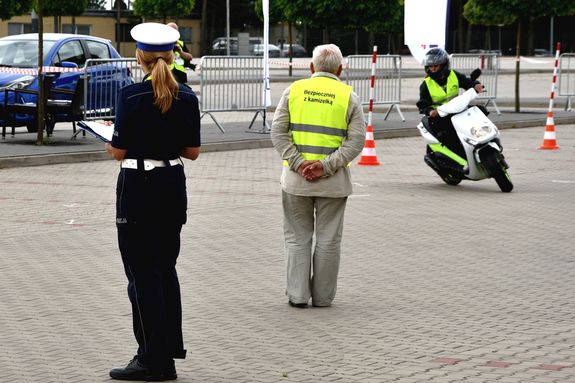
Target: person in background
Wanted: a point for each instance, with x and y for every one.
(318, 129)
(440, 85)
(182, 59)
(157, 122)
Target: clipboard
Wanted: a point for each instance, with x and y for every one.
(98, 130)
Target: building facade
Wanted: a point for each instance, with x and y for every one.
(103, 23)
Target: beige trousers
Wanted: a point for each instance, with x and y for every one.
(313, 229)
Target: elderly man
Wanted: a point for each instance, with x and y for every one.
(318, 129)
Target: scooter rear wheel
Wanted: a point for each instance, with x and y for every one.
(495, 165)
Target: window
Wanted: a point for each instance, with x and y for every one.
(98, 50)
(71, 51)
(26, 55)
(22, 54)
(19, 28)
(125, 35)
(185, 34)
(79, 30)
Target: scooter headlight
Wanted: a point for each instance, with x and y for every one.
(482, 131)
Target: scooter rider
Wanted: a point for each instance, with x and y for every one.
(439, 86)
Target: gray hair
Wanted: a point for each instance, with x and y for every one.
(327, 58)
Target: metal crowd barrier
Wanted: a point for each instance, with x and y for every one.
(232, 83)
(387, 87)
(103, 79)
(489, 65)
(566, 80)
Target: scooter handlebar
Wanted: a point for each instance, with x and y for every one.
(457, 104)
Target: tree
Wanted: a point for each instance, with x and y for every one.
(280, 11)
(320, 13)
(97, 4)
(39, 8)
(11, 8)
(163, 8)
(476, 15)
(58, 8)
(64, 7)
(390, 24)
(348, 14)
(519, 11)
(277, 8)
(120, 3)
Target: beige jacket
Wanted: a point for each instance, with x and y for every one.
(337, 179)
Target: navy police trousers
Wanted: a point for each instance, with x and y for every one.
(149, 252)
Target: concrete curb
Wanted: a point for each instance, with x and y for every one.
(263, 142)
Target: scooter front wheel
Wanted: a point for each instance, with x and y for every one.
(495, 165)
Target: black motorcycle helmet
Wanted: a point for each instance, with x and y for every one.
(437, 56)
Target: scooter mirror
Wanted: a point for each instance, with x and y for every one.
(475, 74)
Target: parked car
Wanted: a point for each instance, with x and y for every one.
(20, 52)
(297, 50)
(540, 52)
(219, 45)
(273, 51)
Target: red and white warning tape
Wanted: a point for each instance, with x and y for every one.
(33, 71)
(293, 64)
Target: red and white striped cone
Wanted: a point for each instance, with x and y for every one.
(368, 154)
(549, 139)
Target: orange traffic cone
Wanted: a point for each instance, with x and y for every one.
(368, 154)
(549, 140)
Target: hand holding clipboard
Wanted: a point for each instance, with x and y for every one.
(98, 129)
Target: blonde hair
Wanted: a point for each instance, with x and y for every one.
(163, 82)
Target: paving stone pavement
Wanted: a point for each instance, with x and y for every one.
(438, 283)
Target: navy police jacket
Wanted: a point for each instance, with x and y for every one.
(157, 196)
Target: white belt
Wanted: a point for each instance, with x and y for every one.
(130, 163)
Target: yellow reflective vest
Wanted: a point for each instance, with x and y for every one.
(318, 115)
(178, 62)
(440, 96)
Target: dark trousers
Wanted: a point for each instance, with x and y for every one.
(149, 253)
(181, 77)
(443, 129)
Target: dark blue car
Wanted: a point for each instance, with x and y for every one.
(67, 55)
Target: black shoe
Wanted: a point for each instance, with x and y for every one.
(170, 372)
(137, 371)
(298, 305)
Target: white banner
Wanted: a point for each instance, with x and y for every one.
(267, 101)
(425, 25)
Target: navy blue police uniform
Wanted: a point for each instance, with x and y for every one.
(151, 208)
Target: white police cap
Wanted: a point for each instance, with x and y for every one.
(154, 37)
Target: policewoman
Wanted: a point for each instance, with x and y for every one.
(318, 129)
(157, 122)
